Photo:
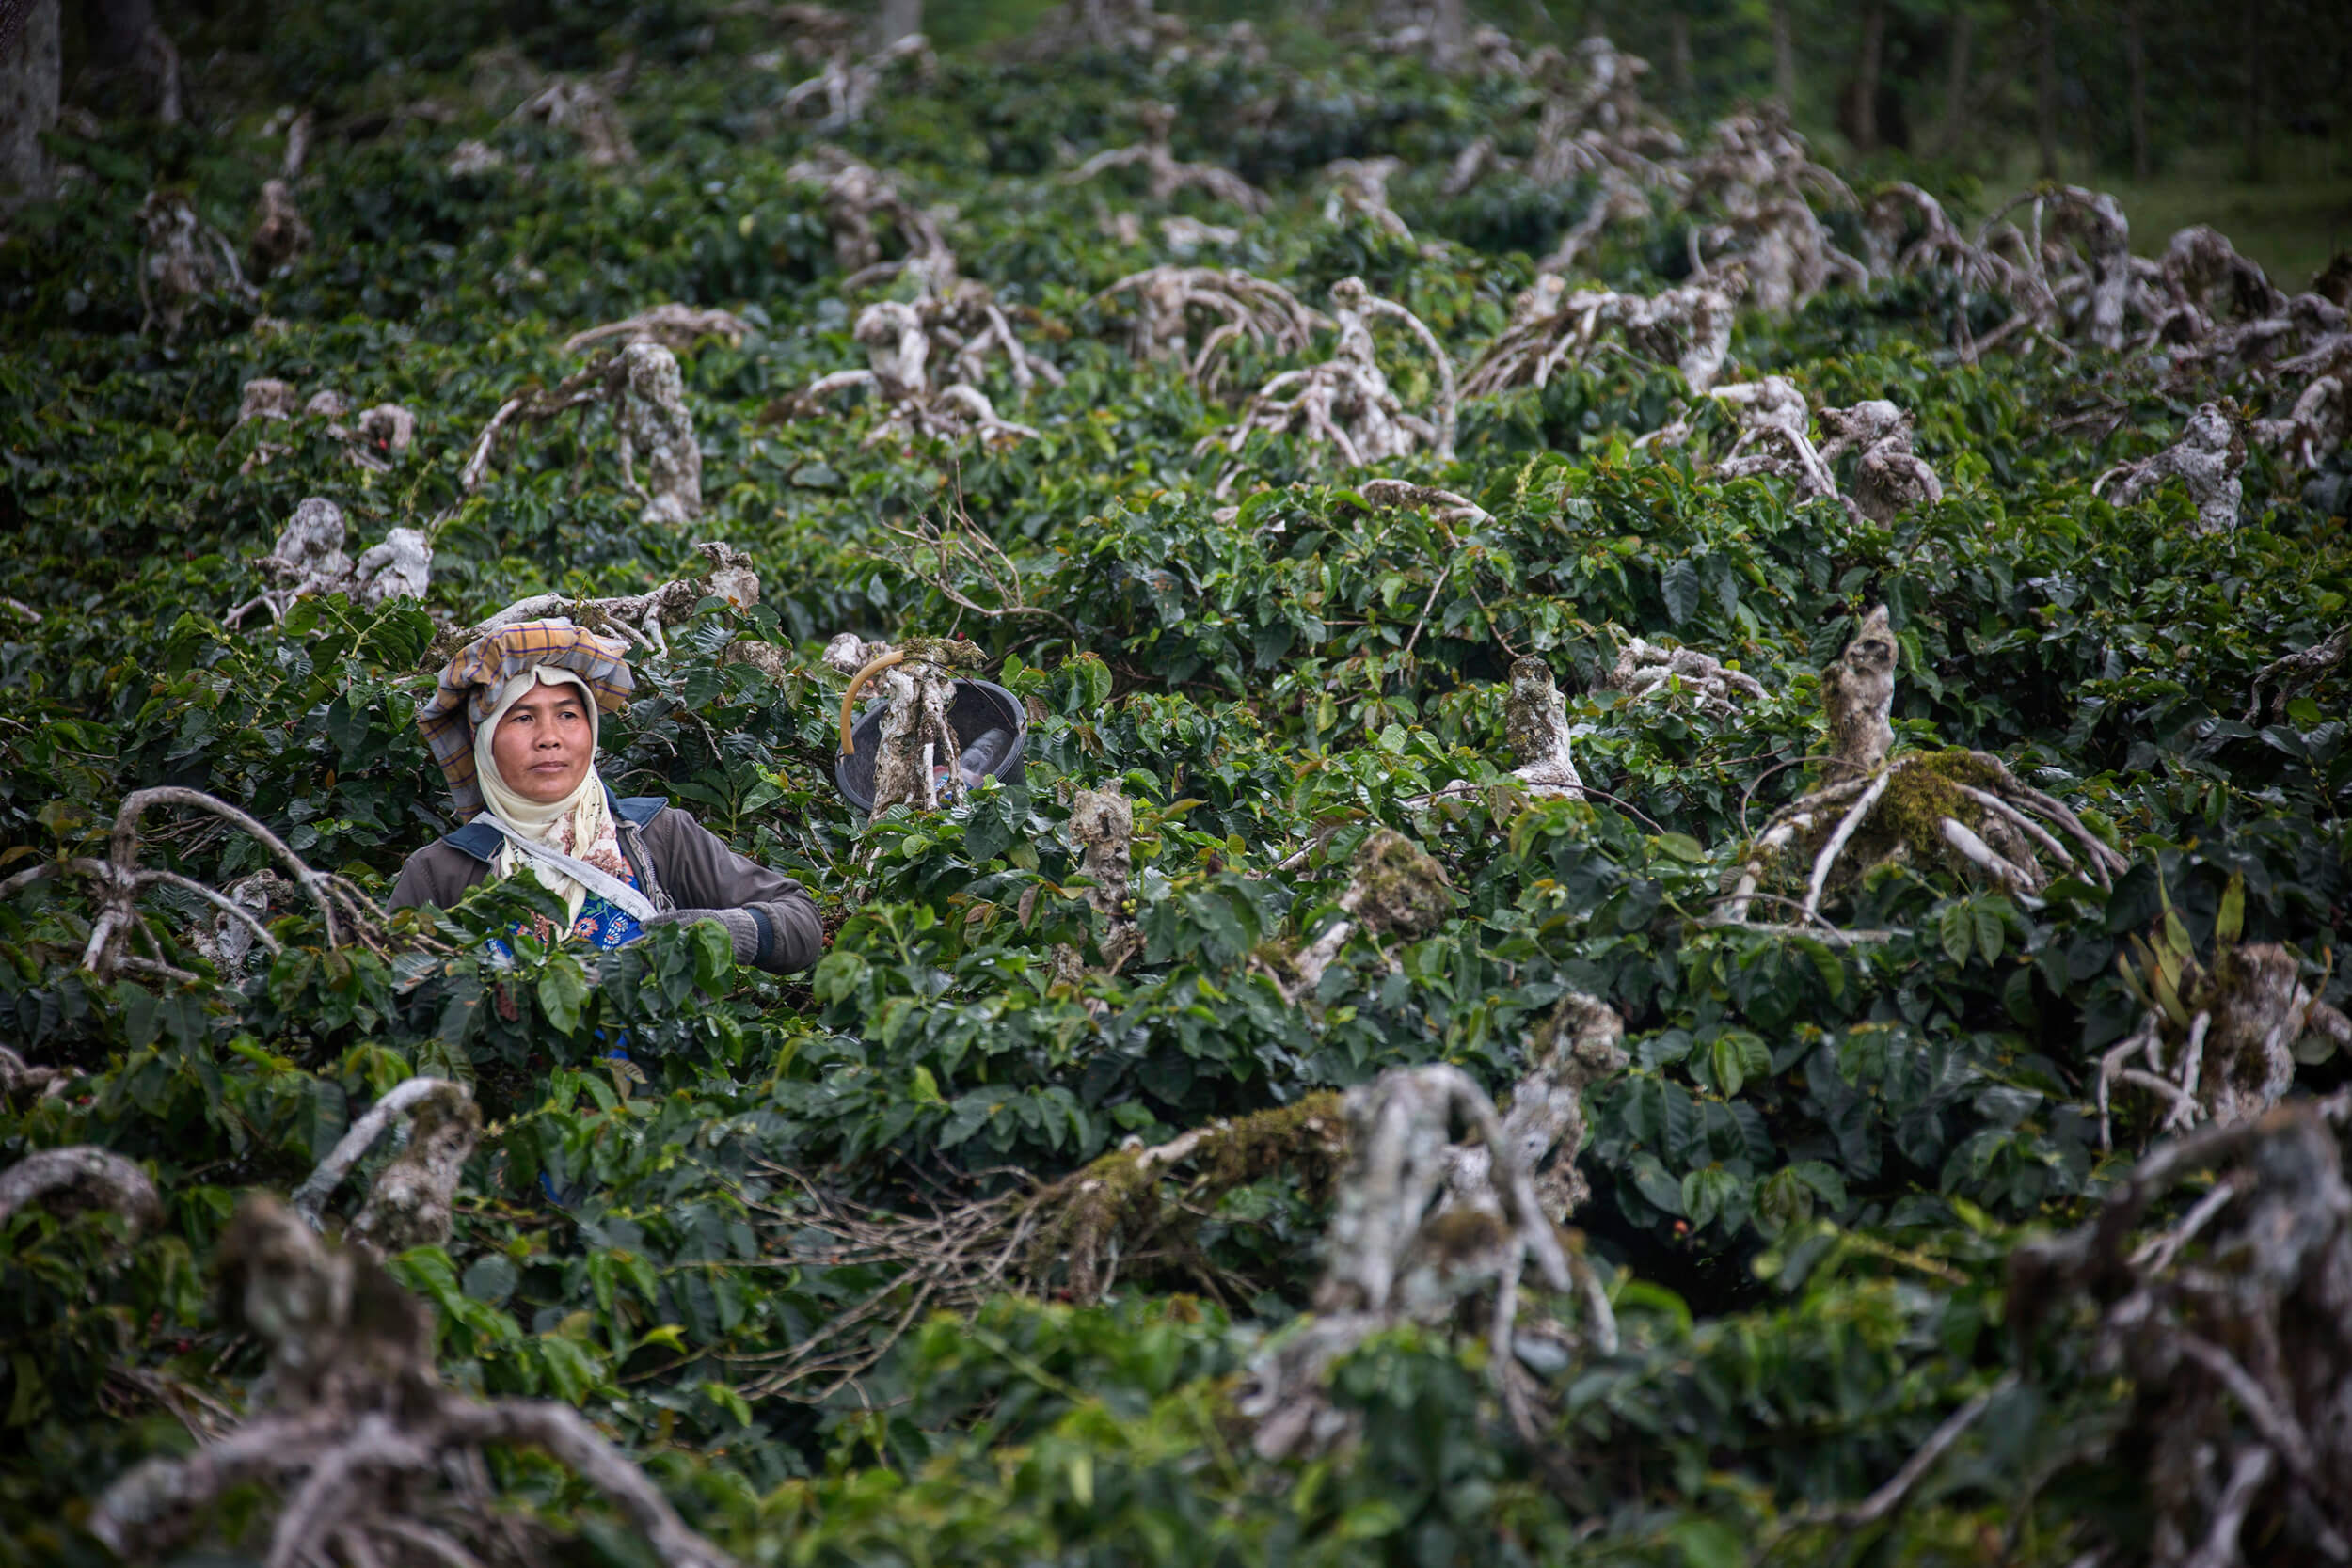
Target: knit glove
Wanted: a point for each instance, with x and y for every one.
(741, 926)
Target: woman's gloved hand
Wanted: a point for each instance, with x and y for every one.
(743, 927)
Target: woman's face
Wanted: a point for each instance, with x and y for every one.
(544, 745)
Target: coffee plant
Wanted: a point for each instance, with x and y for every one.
(1674, 899)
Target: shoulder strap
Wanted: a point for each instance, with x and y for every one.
(602, 884)
(475, 840)
(639, 809)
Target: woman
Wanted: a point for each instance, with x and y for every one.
(513, 724)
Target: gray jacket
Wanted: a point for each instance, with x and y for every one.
(678, 862)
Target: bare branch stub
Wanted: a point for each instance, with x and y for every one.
(82, 1177)
(1360, 186)
(1858, 697)
(1760, 174)
(1645, 669)
(1960, 811)
(1164, 174)
(2230, 1324)
(20, 1079)
(849, 653)
(1345, 402)
(1776, 438)
(1442, 1197)
(1688, 328)
(360, 1435)
(846, 88)
(655, 423)
(119, 883)
(1889, 479)
(1535, 720)
(1101, 824)
(675, 328)
(639, 617)
(2206, 460)
(182, 262)
(916, 742)
(896, 338)
(2290, 675)
(1394, 889)
(409, 1204)
(855, 196)
(1238, 307)
(581, 107)
(279, 233)
(2217, 1042)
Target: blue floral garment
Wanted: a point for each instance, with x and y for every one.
(601, 924)
(605, 927)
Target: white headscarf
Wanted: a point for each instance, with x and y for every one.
(582, 812)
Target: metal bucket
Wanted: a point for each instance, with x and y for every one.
(973, 708)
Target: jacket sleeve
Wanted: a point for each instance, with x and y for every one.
(423, 879)
(699, 871)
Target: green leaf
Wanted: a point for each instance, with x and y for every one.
(1654, 1183)
(1826, 963)
(1990, 930)
(1709, 1544)
(1737, 1056)
(2231, 922)
(925, 1088)
(1680, 585)
(2176, 935)
(562, 991)
(1781, 1200)
(1956, 931)
(492, 1277)
(1682, 846)
(1707, 1193)
(730, 1401)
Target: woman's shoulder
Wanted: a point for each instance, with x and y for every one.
(441, 871)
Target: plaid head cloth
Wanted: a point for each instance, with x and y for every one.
(470, 685)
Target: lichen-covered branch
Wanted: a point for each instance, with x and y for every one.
(309, 558)
(1164, 174)
(1962, 811)
(1345, 402)
(2229, 1327)
(82, 1177)
(1442, 1197)
(1688, 328)
(640, 617)
(2290, 675)
(2206, 460)
(1644, 669)
(896, 338)
(675, 328)
(1394, 889)
(2217, 1040)
(409, 1204)
(359, 1430)
(1240, 309)
(917, 747)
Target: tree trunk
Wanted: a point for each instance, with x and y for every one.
(1784, 55)
(2257, 85)
(29, 69)
(2136, 62)
(1872, 49)
(1962, 36)
(1680, 74)
(895, 19)
(2045, 86)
